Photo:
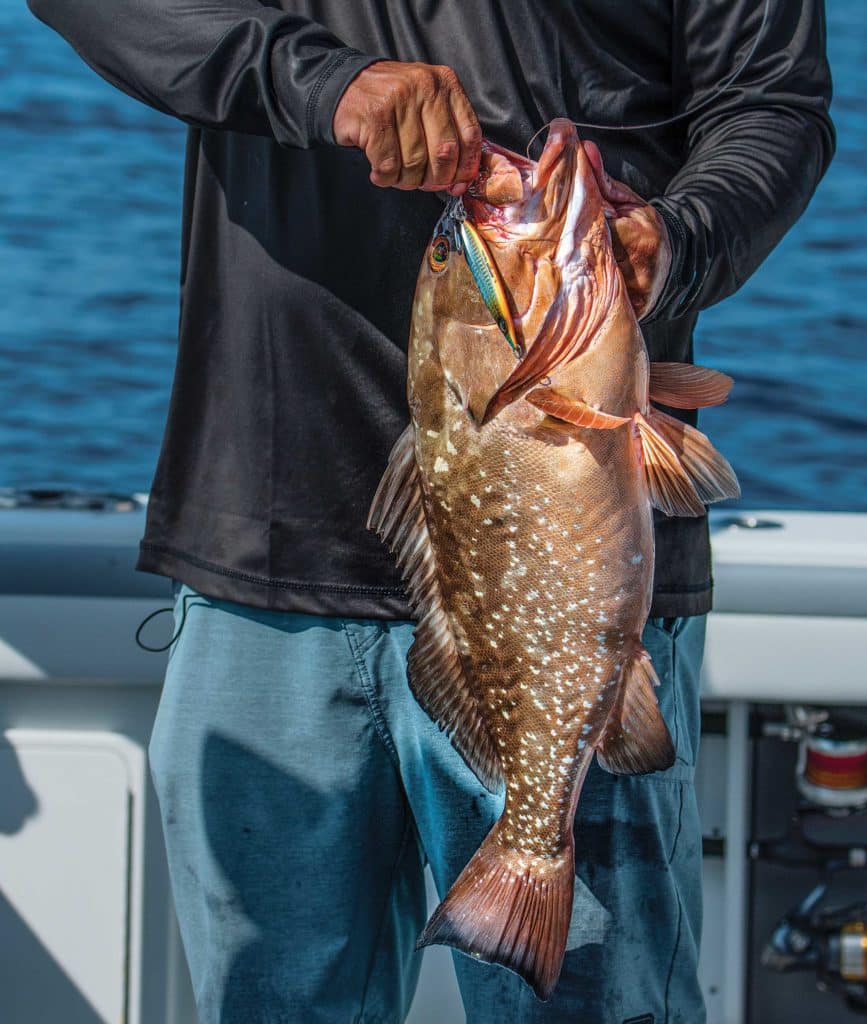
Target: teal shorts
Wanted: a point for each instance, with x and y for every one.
(302, 790)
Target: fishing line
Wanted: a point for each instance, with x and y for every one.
(153, 615)
(684, 114)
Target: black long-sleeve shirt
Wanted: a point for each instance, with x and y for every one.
(297, 274)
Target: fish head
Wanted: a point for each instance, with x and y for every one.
(543, 228)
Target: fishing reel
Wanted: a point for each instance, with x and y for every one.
(832, 942)
(831, 781)
(831, 772)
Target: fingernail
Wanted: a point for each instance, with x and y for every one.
(459, 189)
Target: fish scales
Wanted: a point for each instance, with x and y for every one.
(537, 555)
(523, 491)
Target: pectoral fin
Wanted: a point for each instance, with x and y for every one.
(683, 386)
(572, 410)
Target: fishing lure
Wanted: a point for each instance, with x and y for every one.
(456, 231)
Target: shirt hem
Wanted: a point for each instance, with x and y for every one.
(339, 599)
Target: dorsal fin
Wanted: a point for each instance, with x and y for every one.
(636, 739)
(436, 673)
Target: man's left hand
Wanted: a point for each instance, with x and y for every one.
(639, 236)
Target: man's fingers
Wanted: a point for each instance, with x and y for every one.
(614, 192)
(469, 134)
(415, 124)
(383, 152)
(444, 149)
(413, 145)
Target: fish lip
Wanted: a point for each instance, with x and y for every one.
(499, 218)
(562, 134)
(523, 163)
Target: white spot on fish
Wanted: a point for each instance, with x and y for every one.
(450, 448)
(636, 559)
(476, 500)
(441, 466)
(432, 433)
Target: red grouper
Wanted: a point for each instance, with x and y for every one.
(519, 505)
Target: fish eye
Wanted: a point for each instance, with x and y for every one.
(438, 256)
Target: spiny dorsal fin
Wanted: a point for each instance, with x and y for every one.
(636, 739)
(669, 485)
(436, 673)
(710, 473)
(684, 386)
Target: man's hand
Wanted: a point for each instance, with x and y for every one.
(639, 236)
(415, 124)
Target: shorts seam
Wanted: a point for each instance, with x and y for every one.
(370, 697)
(674, 951)
(374, 631)
(407, 829)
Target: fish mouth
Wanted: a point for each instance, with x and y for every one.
(555, 232)
(559, 146)
(515, 195)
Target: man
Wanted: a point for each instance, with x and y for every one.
(301, 788)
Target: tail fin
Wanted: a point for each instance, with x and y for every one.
(509, 908)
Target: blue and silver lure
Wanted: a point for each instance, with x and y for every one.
(455, 231)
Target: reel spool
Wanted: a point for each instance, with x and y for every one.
(832, 771)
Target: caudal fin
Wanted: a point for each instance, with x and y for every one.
(509, 908)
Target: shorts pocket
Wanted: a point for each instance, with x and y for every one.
(363, 633)
(670, 626)
(661, 640)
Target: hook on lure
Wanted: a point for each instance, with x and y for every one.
(456, 231)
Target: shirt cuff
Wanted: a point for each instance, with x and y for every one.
(677, 291)
(345, 65)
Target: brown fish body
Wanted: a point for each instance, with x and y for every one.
(544, 543)
(526, 538)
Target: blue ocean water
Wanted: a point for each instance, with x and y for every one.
(89, 246)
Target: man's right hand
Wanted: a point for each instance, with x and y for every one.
(415, 124)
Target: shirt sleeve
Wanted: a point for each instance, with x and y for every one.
(227, 64)
(754, 153)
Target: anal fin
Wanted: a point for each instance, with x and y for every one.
(684, 386)
(436, 673)
(636, 740)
